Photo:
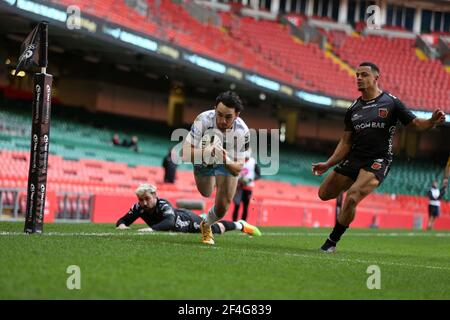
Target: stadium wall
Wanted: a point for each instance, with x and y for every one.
(98, 96)
(257, 118)
(320, 129)
(270, 212)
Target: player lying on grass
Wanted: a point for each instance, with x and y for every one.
(161, 216)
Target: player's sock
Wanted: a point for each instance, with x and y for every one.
(238, 226)
(229, 226)
(216, 229)
(211, 218)
(337, 232)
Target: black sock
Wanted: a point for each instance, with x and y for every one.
(215, 229)
(228, 225)
(337, 232)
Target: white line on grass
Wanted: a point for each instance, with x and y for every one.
(358, 234)
(271, 234)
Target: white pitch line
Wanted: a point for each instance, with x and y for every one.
(89, 234)
(357, 234)
(271, 234)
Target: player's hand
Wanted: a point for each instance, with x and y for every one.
(146, 230)
(208, 154)
(122, 226)
(319, 168)
(438, 116)
(222, 154)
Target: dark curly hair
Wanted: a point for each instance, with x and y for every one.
(231, 100)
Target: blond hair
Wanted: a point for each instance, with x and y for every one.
(143, 188)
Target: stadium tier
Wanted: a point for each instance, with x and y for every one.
(423, 84)
(304, 65)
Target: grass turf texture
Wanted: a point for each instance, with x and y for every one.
(282, 264)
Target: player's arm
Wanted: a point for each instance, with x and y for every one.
(442, 192)
(342, 149)
(408, 119)
(443, 188)
(234, 167)
(192, 146)
(128, 218)
(447, 171)
(168, 221)
(420, 124)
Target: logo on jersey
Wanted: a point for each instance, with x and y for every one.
(373, 124)
(383, 112)
(356, 117)
(376, 166)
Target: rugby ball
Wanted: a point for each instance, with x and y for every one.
(209, 141)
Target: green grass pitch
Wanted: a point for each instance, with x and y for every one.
(282, 264)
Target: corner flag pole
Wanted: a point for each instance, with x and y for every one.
(35, 49)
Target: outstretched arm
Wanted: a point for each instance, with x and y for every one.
(342, 149)
(421, 124)
(447, 170)
(128, 218)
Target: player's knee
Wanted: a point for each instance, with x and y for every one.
(206, 192)
(353, 197)
(323, 195)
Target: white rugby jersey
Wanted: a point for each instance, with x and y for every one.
(236, 140)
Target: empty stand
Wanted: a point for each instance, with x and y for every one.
(420, 84)
(268, 48)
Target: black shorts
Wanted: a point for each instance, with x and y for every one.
(433, 211)
(351, 165)
(188, 222)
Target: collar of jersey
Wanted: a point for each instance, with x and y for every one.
(371, 101)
